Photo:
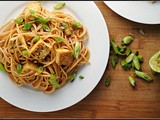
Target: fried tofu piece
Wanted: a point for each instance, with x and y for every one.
(40, 50)
(63, 57)
(34, 6)
(29, 66)
(22, 41)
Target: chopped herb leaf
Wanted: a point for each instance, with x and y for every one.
(81, 77)
(107, 82)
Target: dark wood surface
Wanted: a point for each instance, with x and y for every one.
(119, 100)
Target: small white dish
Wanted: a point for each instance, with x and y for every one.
(138, 11)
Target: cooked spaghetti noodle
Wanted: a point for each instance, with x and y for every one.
(43, 48)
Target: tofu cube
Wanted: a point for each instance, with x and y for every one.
(29, 67)
(63, 57)
(34, 6)
(40, 50)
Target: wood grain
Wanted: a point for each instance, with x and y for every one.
(119, 100)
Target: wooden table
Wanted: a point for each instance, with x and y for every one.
(119, 100)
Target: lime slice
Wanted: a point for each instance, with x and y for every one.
(154, 62)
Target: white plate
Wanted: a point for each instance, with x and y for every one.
(98, 43)
(138, 11)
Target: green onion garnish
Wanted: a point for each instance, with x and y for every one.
(19, 20)
(143, 75)
(19, 68)
(114, 61)
(58, 40)
(132, 81)
(42, 20)
(72, 77)
(27, 27)
(107, 82)
(2, 67)
(36, 39)
(46, 28)
(25, 52)
(81, 77)
(40, 69)
(53, 81)
(76, 50)
(77, 25)
(33, 13)
(63, 25)
(59, 5)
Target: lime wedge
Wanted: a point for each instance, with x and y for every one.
(154, 62)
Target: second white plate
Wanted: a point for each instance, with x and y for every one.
(139, 11)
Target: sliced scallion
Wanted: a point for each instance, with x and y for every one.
(77, 25)
(123, 49)
(27, 27)
(72, 77)
(132, 81)
(140, 58)
(46, 28)
(40, 69)
(81, 77)
(76, 49)
(59, 5)
(33, 13)
(2, 67)
(128, 52)
(115, 47)
(126, 40)
(25, 52)
(63, 25)
(136, 62)
(143, 75)
(42, 20)
(114, 61)
(53, 81)
(19, 68)
(58, 40)
(107, 82)
(130, 58)
(36, 39)
(18, 21)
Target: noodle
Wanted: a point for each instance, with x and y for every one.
(34, 50)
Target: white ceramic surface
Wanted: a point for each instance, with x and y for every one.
(98, 43)
(139, 11)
